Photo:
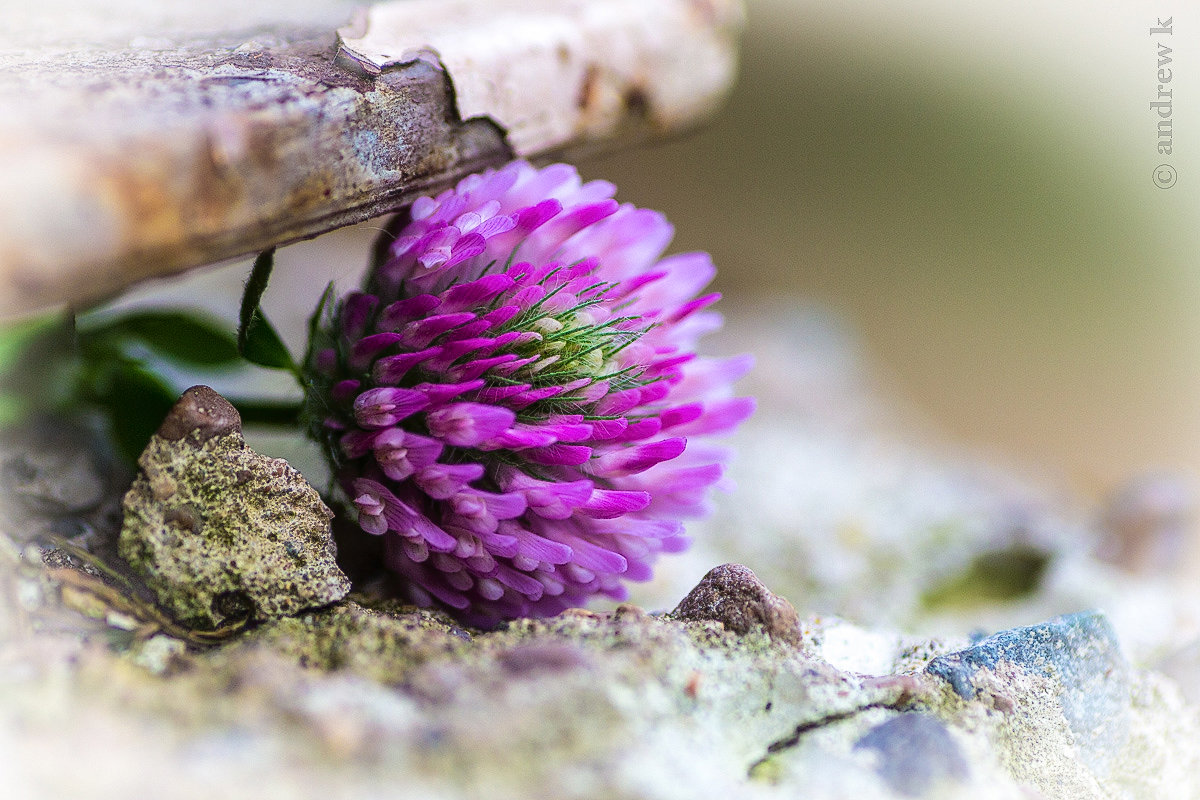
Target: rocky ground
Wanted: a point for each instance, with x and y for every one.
(951, 631)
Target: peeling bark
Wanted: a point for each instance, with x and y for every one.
(128, 161)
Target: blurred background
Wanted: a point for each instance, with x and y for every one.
(970, 187)
(967, 190)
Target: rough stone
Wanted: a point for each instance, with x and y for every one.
(220, 532)
(1079, 653)
(734, 596)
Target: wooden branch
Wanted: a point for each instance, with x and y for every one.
(120, 163)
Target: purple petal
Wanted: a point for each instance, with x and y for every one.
(611, 503)
(423, 331)
(593, 392)
(521, 436)
(468, 331)
(441, 481)
(642, 429)
(532, 396)
(509, 505)
(508, 338)
(440, 393)
(574, 220)
(468, 424)
(533, 217)
(628, 242)
(356, 444)
(444, 593)
(414, 549)
(541, 549)
(585, 554)
(407, 522)
(549, 499)
(519, 582)
(605, 429)
(571, 455)
(499, 543)
(495, 394)
(720, 416)
(453, 350)
(466, 247)
(562, 431)
(502, 315)
(480, 512)
(653, 392)
(508, 368)
(632, 460)
(371, 499)
(489, 589)
(364, 351)
(668, 367)
(705, 376)
(496, 226)
(694, 306)
(468, 296)
(390, 369)
(528, 296)
(474, 369)
(384, 407)
(356, 312)
(617, 403)
(400, 453)
(688, 274)
(681, 415)
(403, 311)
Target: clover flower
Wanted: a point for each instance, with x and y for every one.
(513, 401)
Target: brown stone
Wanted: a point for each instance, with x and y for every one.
(202, 410)
(734, 596)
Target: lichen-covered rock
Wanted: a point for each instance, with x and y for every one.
(220, 532)
(383, 644)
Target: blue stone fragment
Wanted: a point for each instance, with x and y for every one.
(1081, 654)
(916, 752)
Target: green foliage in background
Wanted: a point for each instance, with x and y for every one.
(115, 366)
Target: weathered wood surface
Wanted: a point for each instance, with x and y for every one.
(138, 141)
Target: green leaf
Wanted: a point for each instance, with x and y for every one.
(258, 341)
(177, 336)
(136, 402)
(263, 345)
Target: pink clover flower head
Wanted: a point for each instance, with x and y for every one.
(514, 401)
